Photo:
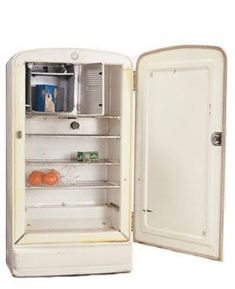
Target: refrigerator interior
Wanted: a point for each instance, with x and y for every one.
(87, 195)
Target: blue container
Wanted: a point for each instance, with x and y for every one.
(45, 98)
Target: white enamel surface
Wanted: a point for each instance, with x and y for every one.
(69, 259)
(178, 171)
(66, 55)
(15, 152)
(68, 215)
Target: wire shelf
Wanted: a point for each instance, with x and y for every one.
(52, 73)
(73, 205)
(62, 115)
(65, 205)
(78, 185)
(45, 162)
(74, 135)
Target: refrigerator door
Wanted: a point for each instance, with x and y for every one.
(180, 141)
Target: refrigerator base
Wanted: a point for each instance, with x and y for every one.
(70, 260)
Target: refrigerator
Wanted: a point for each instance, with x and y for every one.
(102, 153)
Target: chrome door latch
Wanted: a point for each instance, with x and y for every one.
(19, 134)
(216, 138)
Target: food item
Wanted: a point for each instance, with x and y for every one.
(45, 98)
(35, 178)
(51, 178)
(87, 157)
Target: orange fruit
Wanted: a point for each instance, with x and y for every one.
(35, 178)
(51, 178)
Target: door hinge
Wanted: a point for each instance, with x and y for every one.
(216, 138)
(132, 221)
(134, 80)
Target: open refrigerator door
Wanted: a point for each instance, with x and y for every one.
(180, 143)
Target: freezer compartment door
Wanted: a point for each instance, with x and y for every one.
(180, 130)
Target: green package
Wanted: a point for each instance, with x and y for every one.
(87, 157)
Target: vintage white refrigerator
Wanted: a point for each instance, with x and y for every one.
(158, 134)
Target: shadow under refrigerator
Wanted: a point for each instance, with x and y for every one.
(87, 135)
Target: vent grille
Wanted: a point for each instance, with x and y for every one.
(91, 92)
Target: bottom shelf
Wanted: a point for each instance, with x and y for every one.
(103, 184)
(69, 231)
(72, 236)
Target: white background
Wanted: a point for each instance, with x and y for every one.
(128, 27)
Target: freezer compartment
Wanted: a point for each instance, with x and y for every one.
(50, 88)
(92, 89)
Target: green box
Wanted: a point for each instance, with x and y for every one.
(88, 157)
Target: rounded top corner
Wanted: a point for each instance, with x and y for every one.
(72, 55)
(195, 47)
(18, 58)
